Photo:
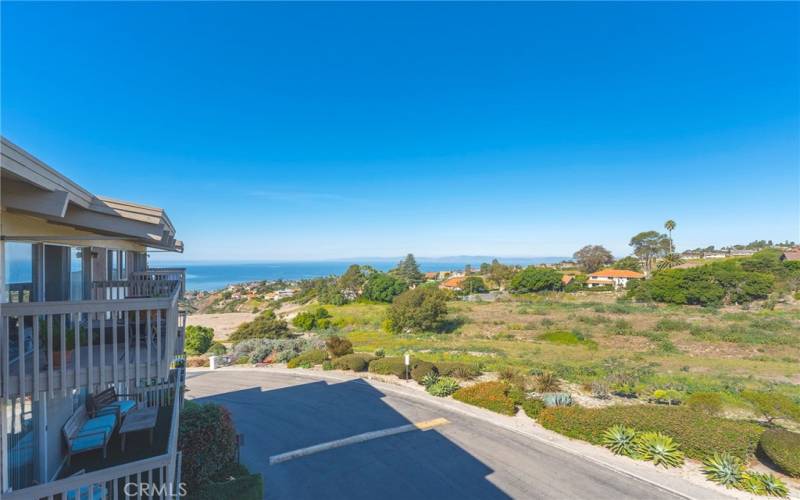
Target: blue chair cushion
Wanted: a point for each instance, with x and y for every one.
(88, 442)
(102, 422)
(123, 407)
(98, 493)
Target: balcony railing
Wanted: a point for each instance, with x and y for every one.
(129, 333)
(161, 473)
(164, 273)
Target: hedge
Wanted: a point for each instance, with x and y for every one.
(207, 439)
(419, 369)
(248, 487)
(490, 395)
(456, 369)
(783, 448)
(312, 357)
(355, 362)
(389, 366)
(699, 434)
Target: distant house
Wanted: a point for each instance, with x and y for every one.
(432, 276)
(741, 253)
(791, 255)
(566, 279)
(453, 283)
(618, 278)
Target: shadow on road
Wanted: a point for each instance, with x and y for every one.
(411, 465)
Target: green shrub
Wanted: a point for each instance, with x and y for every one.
(327, 365)
(418, 310)
(311, 358)
(198, 339)
(207, 438)
(420, 369)
(355, 362)
(304, 320)
(724, 469)
(217, 349)
(534, 279)
(620, 440)
(773, 405)
(443, 387)
(338, 346)
(388, 366)
(709, 403)
(561, 337)
(457, 370)
(700, 435)
(266, 325)
(532, 407)
(783, 448)
(490, 395)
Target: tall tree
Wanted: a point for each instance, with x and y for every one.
(592, 257)
(408, 270)
(669, 226)
(630, 263)
(649, 246)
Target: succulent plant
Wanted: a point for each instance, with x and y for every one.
(763, 484)
(443, 387)
(659, 449)
(620, 440)
(557, 399)
(724, 469)
(547, 382)
(430, 378)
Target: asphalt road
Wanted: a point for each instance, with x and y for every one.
(467, 458)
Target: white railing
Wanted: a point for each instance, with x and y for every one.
(49, 347)
(161, 472)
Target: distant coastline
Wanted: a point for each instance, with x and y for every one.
(208, 276)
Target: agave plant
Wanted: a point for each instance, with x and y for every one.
(724, 469)
(620, 440)
(443, 387)
(557, 399)
(751, 483)
(430, 378)
(658, 448)
(763, 484)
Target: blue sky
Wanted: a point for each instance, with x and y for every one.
(306, 131)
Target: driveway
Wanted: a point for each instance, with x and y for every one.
(463, 458)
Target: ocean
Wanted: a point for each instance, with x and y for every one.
(210, 276)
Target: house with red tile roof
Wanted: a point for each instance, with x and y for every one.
(618, 278)
(453, 283)
(791, 255)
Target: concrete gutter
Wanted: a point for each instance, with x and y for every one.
(687, 482)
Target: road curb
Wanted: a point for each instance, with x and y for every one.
(496, 420)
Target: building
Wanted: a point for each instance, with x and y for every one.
(618, 278)
(432, 276)
(83, 313)
(791, 255)
(453, 283)
(566, 279)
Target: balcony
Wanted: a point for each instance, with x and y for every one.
(130, 332)
(89, 476)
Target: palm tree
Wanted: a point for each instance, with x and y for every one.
(669, 226)
(669, 261)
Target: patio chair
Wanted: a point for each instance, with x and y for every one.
(108, 402)
(83, 434)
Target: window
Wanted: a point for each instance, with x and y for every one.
(76, 274)
(18, 271)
